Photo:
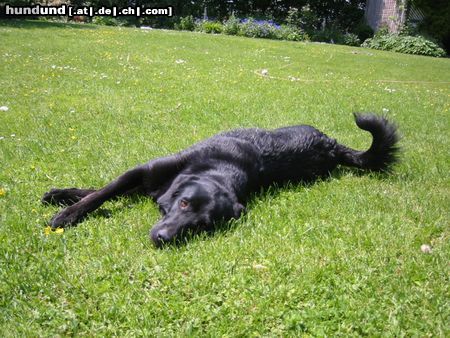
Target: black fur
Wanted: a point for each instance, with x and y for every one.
(211, 180)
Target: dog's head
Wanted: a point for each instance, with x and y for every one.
(192, 204)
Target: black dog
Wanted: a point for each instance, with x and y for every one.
(211, 180)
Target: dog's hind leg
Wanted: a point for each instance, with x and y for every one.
(144, 177)
(65, 197)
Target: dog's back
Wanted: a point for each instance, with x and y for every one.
(290, 153)
(304, 153)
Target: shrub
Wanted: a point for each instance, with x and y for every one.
(248, 27)
(108, 21)
(291, 33)
(293, 17)
(409, 29)
(334, 35)
(258, 29)
(404, 44)
(207, 26)
(329, 35)
(231, 26)
(304, 18)
(351, 39)
(187, 23)
(363, 31)
(382, 31)
(163, 22)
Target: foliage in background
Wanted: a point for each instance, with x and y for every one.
(209, 26)
(258, 28)
(187, 23)
(108, 21)
(329, 35)
(231, 26)
(404, 44)
(304, 19)
(363, 31)
(247, 27)
(341, 12)
(321, 20)
(331, 21)
(437, 19)
(291, 33)
(351, 39)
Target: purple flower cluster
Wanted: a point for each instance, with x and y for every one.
(248, 27)
(261, 22)
(259, 28)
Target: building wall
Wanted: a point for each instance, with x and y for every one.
(390, 13)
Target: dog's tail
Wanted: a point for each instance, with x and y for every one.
(383, 152)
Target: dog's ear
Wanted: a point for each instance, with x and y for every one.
(238, 210)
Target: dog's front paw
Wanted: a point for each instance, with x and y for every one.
(54, 196)
(62, 197)
(66, 217)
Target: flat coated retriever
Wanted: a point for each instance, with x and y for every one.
(211, 180)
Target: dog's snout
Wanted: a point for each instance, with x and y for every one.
(160, 236)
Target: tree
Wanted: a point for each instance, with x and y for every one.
(437, 19)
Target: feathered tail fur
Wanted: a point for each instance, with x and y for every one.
(383, 152)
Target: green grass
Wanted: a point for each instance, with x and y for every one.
(339, 257)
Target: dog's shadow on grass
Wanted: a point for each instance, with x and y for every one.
(124, 202)
(274, 191)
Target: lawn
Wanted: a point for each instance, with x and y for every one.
(341, 257)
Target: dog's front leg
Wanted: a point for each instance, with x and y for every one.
(148, 177)
(76, 212)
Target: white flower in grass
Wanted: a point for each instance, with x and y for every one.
(390, 90)
(264, 72)
(385, 110)
(4, 108)
(179, 61)
(259, 267)
(425, 248)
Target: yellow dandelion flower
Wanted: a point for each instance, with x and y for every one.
(2, 192)
(48, 230)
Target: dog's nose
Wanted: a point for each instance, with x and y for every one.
(160, 236)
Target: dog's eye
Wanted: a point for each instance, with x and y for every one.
(184, 204)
